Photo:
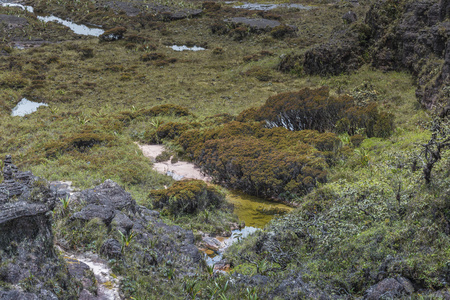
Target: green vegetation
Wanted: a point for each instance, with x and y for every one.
(355, 152)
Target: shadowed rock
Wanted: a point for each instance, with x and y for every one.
(26, 238)
(12, 22)
(390, 288)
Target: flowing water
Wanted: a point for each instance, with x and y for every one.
(253, 211)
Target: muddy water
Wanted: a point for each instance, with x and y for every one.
(254, 211)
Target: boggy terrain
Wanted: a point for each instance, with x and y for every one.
(337, 107)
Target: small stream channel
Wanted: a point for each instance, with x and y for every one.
(253, 211)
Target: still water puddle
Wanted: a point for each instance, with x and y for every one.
(78, 29)
(186, 48)
(25, 107)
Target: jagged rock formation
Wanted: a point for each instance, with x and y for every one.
(29, 265)
(396, 35)
(115, 210)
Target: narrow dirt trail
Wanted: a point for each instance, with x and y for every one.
(179, 170)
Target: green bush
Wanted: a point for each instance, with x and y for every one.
(316, 109)
(187, 197)
(261, 161)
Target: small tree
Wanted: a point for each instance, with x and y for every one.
(439, 141)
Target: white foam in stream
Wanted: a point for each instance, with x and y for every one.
(107, 285)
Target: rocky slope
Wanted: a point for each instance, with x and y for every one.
(394, 35)
(30, 267)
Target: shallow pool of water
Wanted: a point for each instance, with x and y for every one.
(25, 107)
(78, 29)
(186, 48)
(254, 211)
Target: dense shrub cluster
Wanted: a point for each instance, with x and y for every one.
(187, 197)
(317, 110)
(261, 161)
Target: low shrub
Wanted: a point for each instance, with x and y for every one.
(261, 161)
(86, 52)
(152, 56)
(282, 31)
(187, 197)
(316, 109)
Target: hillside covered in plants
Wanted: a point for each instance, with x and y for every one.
(339, 109)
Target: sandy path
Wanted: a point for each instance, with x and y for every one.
(178, 171)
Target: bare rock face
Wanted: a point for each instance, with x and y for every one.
(27, 255)
(391, 288)
(118, 211)
(12, 22)
(412, 36)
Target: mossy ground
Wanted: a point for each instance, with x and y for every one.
(100, 88)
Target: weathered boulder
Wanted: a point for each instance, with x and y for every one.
(115, 207)
(254, 24)
(341, 54)
(349, 17)
(212, 243)
(390, 288)
(111, 194)
(83, 273)
(111, 248)
(91, 211)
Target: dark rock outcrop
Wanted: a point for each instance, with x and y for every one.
(111, 248)
(27, 253)
(390, 288)
(12, 22)
(396, 35)
(349, 17)
(342, 54)
(255, 24)
(119, 212)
